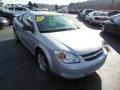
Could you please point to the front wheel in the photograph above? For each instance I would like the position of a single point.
(90, 21)
(42, 62)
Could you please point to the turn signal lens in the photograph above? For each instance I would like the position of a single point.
(67, 57)
(61, 55)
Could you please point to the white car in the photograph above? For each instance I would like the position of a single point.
(97, 17)
(85, 12)
(59, 45)
(15, 10)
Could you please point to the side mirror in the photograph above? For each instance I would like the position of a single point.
(111, 20)
(27, 28)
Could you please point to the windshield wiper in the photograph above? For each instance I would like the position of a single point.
(57, 30)
(68, 29)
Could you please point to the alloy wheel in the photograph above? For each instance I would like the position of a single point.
(42, 62)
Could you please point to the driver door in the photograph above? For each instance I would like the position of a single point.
(28, 35)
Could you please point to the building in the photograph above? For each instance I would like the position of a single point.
(97, 4)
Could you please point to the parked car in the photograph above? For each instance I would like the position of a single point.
(112, 25)
(73, 11)
(7, 15)
(85, 12)
(15, 10)
(63, 10)
(3, 22)
(113, 12)
(97, 17)
(59, 45)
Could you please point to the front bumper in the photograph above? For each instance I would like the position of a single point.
(78, 70)
(98, 21)
(2, 24)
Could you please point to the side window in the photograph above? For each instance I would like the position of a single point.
(18, 9)
(27, 20)
(24, 9)
(11, 8)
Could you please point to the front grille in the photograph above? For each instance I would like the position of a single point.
(92, 56)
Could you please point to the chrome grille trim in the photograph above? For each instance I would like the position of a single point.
(93, 55)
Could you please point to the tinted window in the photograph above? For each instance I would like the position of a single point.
(54, 23)
(88, 11)
(11, 8)
(20, 9)
(27, 20)
(100, 14)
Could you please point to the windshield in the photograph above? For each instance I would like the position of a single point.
(54, 23)
(100, 14)
(88, 11)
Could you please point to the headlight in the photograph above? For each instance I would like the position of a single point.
(67, 57)
(105, 45)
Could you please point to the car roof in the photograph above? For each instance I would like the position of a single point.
(88, 9)
(99, 12)
(43, 13)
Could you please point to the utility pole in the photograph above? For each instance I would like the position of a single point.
(112, 4)
(0, 3)
(80, 5)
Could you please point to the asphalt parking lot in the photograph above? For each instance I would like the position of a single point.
(19, 70)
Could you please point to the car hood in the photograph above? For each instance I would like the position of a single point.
(77, 41)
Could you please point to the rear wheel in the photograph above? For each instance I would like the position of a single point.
(16, 37)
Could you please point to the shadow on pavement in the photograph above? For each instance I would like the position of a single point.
(113, 41)
(19, 71)
(92, 82)
(93, 26)
(77, 18)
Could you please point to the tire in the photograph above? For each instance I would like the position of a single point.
(103, 28)
(16, 37)
(90, 22)
(42, 61)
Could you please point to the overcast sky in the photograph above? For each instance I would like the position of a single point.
(59, 2)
